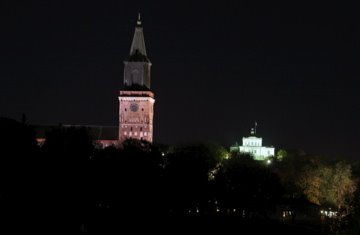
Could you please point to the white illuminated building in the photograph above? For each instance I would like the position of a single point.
(253, 145)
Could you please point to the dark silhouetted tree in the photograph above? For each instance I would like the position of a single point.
(187, 175)
(66, 183)
(244, 183)
(128, 180)
(18, 169)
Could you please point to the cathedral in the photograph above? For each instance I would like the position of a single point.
(136, 100)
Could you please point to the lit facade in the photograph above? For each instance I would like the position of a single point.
(253, 146)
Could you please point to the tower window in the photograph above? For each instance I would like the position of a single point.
(142, 109)
(130, 128)
(140, 128)
(125, 109)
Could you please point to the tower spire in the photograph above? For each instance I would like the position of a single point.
(138, 49)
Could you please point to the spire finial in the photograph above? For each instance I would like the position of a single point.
(138, 43)
(139, 19)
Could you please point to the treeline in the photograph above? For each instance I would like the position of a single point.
(68, 181)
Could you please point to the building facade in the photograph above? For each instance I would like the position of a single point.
(253, 146)
(136, 100)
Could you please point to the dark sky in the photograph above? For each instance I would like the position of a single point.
(217, 68)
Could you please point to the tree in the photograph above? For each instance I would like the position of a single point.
(289, 168)
(19, 164)
(65, 185)
(128, 180)
(187, 171)
(281, 154)
(72, 144)
(329, 185)
(341, 191)
(248, 184)
(310, 181)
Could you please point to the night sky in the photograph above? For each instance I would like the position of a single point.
(217, 68)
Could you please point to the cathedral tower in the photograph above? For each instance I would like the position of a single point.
(136, 100)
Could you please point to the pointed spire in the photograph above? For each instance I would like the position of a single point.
(138, 49)
(138, 22)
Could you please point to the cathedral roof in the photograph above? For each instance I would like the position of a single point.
(138, 49)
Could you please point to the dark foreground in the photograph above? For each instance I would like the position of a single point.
(201, 225)
(106, 225)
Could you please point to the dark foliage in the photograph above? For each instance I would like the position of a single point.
(19, 158)
(246, 184)
(187, 177)
(69, 185)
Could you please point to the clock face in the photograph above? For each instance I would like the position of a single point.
(134, 107)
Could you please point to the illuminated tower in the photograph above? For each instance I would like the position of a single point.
(136, 100)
